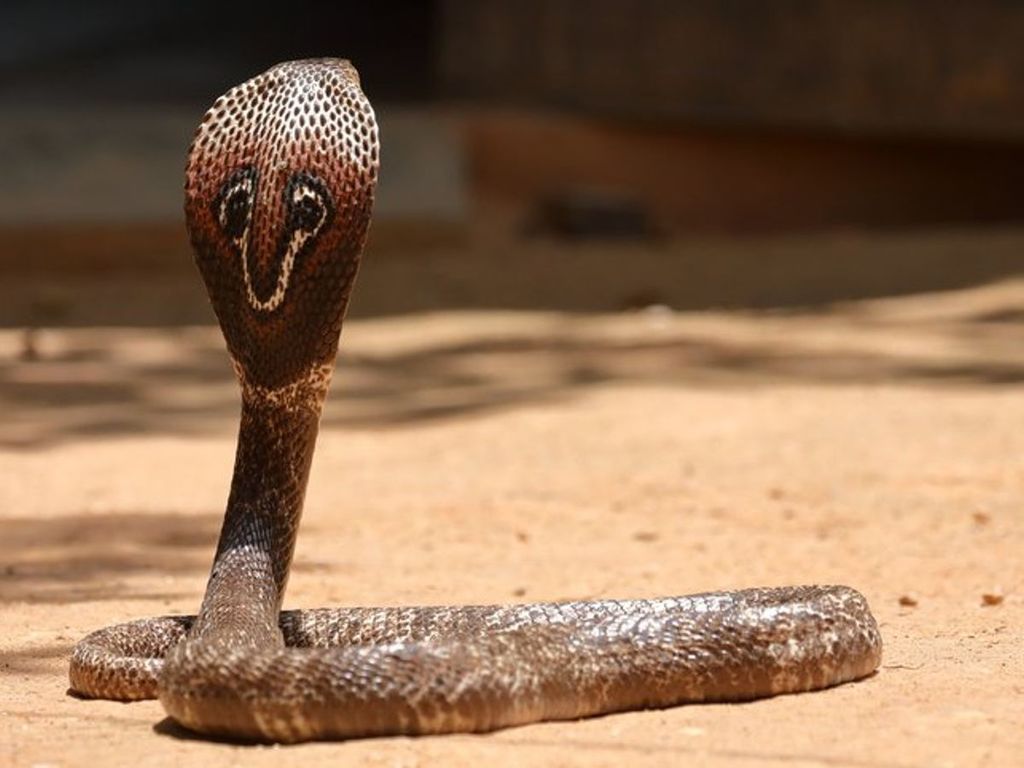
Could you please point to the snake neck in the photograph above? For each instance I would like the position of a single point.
(276, 439)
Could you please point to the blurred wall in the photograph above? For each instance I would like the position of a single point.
(909, 67)
(186, 52)
(710, 115)
(902, 66)
(513, 132)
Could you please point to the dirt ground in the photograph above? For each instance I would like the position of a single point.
(480, 456)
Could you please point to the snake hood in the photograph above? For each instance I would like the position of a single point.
(278, 197)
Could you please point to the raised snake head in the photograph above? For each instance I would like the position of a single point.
(278, 195)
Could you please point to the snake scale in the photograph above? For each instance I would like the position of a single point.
(278, 196)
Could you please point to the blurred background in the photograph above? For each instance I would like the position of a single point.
(546, 155)
(558, 154)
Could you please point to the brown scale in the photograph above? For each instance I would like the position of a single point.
(278, 195)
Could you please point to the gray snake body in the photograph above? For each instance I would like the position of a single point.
(279, 191)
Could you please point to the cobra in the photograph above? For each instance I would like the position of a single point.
(278, 196)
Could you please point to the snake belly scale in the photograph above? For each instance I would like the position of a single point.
(278, 196)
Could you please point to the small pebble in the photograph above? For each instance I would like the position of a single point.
(908, 601)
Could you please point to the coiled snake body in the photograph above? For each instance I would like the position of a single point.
(278, 195)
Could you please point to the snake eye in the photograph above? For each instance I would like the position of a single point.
(234, 213)
(308, 206)
(233, 206)
(308, 212)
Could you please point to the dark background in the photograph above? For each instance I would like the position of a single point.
(911, 67)
(187, 51)
(533, 151)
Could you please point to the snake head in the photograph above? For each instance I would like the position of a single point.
(278, 196)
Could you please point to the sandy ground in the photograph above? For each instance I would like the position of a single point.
(485, 456)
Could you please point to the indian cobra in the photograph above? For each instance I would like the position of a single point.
(278, 196)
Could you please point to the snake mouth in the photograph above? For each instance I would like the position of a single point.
(308, 210)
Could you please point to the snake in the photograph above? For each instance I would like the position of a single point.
(279, 191)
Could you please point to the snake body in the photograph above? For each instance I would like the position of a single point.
(278, 196)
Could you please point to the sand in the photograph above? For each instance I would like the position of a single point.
(506, 456)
